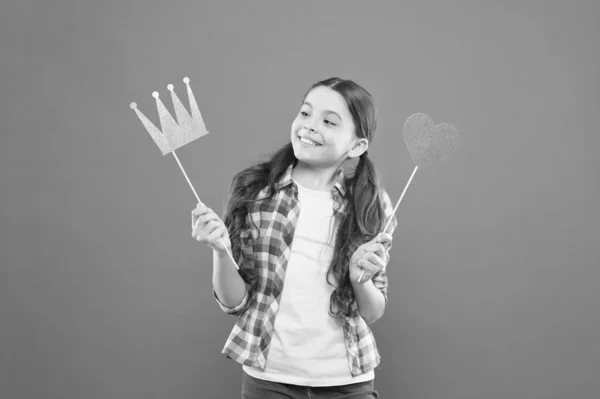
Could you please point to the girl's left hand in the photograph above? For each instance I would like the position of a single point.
(370, 257)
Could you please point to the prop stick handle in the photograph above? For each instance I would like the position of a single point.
(395, 208)
(198, 198)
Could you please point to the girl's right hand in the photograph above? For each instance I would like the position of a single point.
(208, 228)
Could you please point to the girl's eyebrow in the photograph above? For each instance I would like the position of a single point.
(327, 110)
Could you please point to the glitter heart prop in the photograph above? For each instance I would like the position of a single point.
(427, 144)
(176, 134)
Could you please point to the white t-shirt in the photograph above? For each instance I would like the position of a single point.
(307, 347)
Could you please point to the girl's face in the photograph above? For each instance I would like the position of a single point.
(325, 120)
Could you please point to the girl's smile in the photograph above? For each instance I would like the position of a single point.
(308, 142)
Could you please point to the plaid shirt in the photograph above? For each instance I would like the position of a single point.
(248, 342)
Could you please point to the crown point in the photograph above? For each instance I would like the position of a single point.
(186, 80)
(155, 94)
(133, 105)
(170, 87)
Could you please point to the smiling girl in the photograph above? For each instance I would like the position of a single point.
(302, 233)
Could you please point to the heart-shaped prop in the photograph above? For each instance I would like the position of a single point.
(427, 144)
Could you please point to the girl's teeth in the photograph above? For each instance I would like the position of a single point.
(308, 142)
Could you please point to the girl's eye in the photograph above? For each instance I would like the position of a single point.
(303, 113)
(329, 122)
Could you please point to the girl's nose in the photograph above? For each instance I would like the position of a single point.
(309, 128)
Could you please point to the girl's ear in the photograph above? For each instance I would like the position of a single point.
(360, 146)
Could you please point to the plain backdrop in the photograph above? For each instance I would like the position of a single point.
(495, 266)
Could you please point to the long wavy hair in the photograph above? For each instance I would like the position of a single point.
(364, 214)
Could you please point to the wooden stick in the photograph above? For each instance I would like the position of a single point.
(392, 215)
(198, 198)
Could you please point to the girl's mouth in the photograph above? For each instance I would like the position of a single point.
(307, 142)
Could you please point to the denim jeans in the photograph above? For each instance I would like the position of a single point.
(254, 388)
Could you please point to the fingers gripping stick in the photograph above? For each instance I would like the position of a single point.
(200, 202)
(393, 212)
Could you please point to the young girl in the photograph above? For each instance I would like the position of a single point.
(302, 233)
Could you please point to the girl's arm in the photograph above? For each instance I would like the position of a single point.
(371, 296)
(370, 301)
(229, 286)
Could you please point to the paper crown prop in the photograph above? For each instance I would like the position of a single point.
(176, 134)
(427, 144)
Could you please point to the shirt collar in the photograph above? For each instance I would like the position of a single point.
(286, 179)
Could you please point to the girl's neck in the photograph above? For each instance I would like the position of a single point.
(318, 179)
